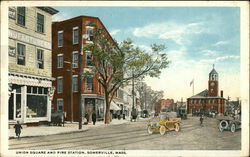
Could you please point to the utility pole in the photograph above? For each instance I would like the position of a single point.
(133, 91)
(80, 90)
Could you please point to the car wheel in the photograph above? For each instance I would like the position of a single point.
(223, 124)
(162, 130)
(150, 131)
(177, 127)
(233, 127)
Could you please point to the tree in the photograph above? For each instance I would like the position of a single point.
(114, 65)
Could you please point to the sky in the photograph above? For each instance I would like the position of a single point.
(195, 37)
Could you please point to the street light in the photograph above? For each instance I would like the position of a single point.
(71, 90)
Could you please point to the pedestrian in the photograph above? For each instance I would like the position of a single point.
(18, 128)
(94, 117)
(201, 120)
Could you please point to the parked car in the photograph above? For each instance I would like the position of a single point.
(162, 124)
(229, 123)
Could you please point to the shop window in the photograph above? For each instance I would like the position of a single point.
(40, 59)
(34, 90)
(89, 84)
(60, 105)
(59, 85)
(88, 59)
(75, 35)
(36, 105)
(21, 16)
(18, 105)
(60, 39)
(59, 61)
(89, 32)
(75, 59)
(20, 54)
(40, 23)
(75, 83)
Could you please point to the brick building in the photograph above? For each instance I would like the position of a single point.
(30, 74)
(68, 38)
(208, 100)
(165, 104)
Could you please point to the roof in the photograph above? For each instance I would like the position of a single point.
(213, 72)
(49, 10)
(204, 94)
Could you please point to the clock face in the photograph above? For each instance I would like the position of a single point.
(212, 84)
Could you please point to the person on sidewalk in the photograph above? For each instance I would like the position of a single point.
(94, 117)
(18, 128)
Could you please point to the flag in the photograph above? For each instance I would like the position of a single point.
(191, 82)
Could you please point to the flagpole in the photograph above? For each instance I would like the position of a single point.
(193, 87)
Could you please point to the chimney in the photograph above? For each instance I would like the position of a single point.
(221, 93)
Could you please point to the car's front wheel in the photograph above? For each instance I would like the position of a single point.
(177, 127)
(162, 130)
(233, 127)
(150, 131)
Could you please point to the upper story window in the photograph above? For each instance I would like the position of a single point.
(75, 59)
(20, 54)
(59, 104)
(40, 23)
(21, 16)
(60, 39)
(75, 83)
(75, 35)
(89, 32)
(88, 59)
(40, 59)
(59, 60)
(59, 85)
(89, 84)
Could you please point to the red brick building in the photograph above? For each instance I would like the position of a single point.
(68, 38)
(167, 104)
(208, 100)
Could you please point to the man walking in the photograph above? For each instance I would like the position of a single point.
(18, 128)
(94, 117)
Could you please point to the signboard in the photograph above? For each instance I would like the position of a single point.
(12, 13)
(12, 51)
(29, 39)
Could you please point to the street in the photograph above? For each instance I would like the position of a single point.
(133, 135)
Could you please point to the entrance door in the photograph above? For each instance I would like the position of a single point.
(11, 107)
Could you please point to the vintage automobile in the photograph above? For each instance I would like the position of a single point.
(228, 123)
(162, 124)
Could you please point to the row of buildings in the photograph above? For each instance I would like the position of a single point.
(44, 67)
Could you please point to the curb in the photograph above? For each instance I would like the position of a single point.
(70, 132)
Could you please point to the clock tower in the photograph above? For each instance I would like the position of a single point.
(213, 84)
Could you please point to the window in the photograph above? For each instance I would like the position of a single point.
(59, 104)
(75, 35)
(20, 54)
(21, 16)
(59, 61)
(88, 59)
(89, 32)
(89, 84)
(59, 85)
(40, 59)
(75, 59)
(75, 83)
(99, 87)
(37, 101)
(60, 38)
(40, 23)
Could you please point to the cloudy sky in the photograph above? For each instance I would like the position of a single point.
(196, 38)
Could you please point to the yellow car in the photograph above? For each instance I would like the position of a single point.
(163, 124)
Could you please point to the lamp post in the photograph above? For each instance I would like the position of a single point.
(71, 90)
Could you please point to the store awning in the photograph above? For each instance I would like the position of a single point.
(114, 106)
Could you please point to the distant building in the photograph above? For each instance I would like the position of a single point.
(208, 100)
(68, 38)
(165, 104)
(30, 74)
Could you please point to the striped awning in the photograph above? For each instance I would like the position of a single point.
(22, 79)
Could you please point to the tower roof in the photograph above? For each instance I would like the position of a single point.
(213, 71)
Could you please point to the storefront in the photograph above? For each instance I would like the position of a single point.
(29, 98)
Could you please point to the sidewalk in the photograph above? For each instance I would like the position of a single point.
(69, 127)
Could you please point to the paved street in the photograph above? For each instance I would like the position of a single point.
(133, 135)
